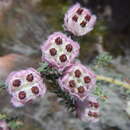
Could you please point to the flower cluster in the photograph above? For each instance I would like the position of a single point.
(3, 125)
(78, 20)
(59, 51)
(88, 110)
(78, 80)
(25, 86)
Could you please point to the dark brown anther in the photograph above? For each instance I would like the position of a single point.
(81, 89)
(83, 24)
(53, 51)
(87, 79)
(72, 90)
(16, 83)
(30, 77)
(75, 18)
(77, 73)
(90, 103)
(94, 114)
(58, 41)
(35, 90)
(69, 47)
(87, 17)
(22, 95)
(79, 11)
(90, 114)
(63, 58)
(72, 84)
(96, 105)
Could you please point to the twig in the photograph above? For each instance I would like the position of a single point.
(113, 81)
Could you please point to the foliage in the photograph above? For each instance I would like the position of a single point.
(103, 59)
(12, 121)
(2, 85)
(51, 75)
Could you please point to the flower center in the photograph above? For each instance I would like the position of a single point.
(30, 77)
(69, 47)
(90, 114)
(81, 89)
(63, 58)
(72, 83)
(58, 41)
(22, 95)
(75, 18)
(87, 79)
(35, 90)
(90, 104)
(16, 83)
(79, 11)
(96, 105)
(53, 51)
(83, 24)
(95, 114)
(77, 73)
(87, 17)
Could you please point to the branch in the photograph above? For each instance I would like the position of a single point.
(51, 75)
(113, 81)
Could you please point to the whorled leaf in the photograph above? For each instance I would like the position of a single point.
(103, 59)
(52, 75)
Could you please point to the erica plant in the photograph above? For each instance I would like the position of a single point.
(62, 73)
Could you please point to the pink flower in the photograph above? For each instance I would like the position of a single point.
(59, 51)
(25, 86)
(78, 80)
(3, 125)
(78, 20)
(88, 110)
(5, 5)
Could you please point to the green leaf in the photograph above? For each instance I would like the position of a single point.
(2, 85)
(103, 59)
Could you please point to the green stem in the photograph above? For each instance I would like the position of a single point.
(113, 81)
